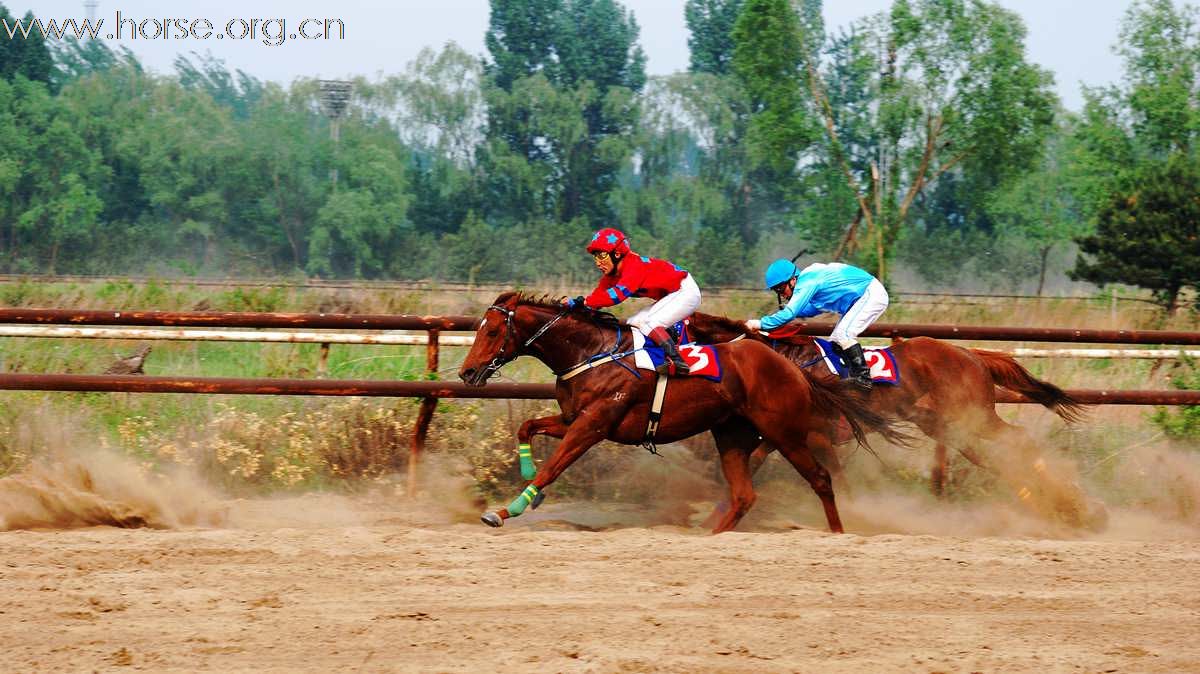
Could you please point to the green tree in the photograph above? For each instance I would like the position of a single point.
(951, 90)
(767, 59)
(1037, 210)
(362, 225)
(1134, 139)
(281, 175)
(776, 127)
(1148, 233)
(710, 34)
(25, 55)
(48, 209)
(237, 90)
(556, 66)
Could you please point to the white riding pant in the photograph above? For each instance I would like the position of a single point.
(860, 314)
(669, 310)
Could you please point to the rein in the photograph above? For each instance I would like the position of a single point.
(611, 356)
(510, 333)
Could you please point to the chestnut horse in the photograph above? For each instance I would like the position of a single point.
(760, 395)
(949, 393)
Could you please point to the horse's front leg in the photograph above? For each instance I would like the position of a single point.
(553, 426)
(580, 436)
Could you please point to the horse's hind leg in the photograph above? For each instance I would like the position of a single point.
(757, 458)
(735, 441)
(818, 478)
(937, 474)
(822, 448)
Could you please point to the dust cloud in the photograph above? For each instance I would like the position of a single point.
(93, 488)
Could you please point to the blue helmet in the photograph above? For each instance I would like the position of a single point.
(780, 271)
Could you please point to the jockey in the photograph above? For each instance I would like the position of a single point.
(627, 274)
(835, 287)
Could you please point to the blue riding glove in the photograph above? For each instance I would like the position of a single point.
(575, 302)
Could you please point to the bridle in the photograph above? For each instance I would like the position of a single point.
(510, 334)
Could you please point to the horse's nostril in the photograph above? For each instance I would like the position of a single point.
(467, 373)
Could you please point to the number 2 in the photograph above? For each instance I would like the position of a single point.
(879, 365)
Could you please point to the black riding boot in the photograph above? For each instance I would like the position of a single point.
(674, 363)
(860, 374)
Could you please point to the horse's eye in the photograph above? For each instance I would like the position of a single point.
(492, 333)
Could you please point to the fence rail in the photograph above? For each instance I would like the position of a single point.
(469, 323)
(435, 389)
(1129, 294)
(290, 327)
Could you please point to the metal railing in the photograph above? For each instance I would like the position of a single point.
(184, 326)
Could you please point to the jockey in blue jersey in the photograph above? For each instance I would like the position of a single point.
(828, 288)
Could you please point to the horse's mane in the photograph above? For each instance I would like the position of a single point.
(723, 322)
(554, 303)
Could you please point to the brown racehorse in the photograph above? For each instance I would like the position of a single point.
(760, 394)
(949, 392)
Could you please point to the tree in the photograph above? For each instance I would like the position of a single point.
(237, 90)
(950, 90)
(24, 54)
(1148, 234)
(520, 39)
(48, 209)
(1135, 140)
(553, 67)
(710, 34)
(767, 60)
(1037, 209)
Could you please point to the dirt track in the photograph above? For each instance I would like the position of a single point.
(324, 584)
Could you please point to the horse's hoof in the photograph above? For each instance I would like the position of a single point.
(537, 500)
(492, 520)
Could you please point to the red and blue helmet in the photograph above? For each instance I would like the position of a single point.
(609, 240)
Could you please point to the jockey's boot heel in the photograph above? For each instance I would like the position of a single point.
(860, 374)
(674, 362)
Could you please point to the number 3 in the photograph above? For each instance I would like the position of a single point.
(699, 359)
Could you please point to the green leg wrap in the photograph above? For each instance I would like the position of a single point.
(519, 504)
(528, 470)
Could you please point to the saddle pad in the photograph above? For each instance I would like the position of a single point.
(879, 358)
(702, 360)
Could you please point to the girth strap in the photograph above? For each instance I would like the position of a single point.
(584, 367)
(660, 394)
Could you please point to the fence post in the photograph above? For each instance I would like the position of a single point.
(424, 415)
(323, 360)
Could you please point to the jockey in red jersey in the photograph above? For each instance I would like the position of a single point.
(627, 274)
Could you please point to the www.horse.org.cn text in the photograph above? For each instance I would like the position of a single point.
(271, 32)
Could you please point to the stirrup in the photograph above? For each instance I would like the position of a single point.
(863, 381)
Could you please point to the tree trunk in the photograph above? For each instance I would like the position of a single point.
(1042, 274)
(1172, 300)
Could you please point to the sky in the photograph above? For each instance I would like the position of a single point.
(1071, 38)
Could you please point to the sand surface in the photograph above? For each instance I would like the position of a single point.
(329, 583)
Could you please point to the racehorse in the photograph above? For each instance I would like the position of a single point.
(759, 395)
(947, 391)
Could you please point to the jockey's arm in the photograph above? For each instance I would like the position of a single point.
(797, 307)
(612, 291)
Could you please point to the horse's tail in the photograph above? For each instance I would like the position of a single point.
(841, 397)
(1008, 373)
